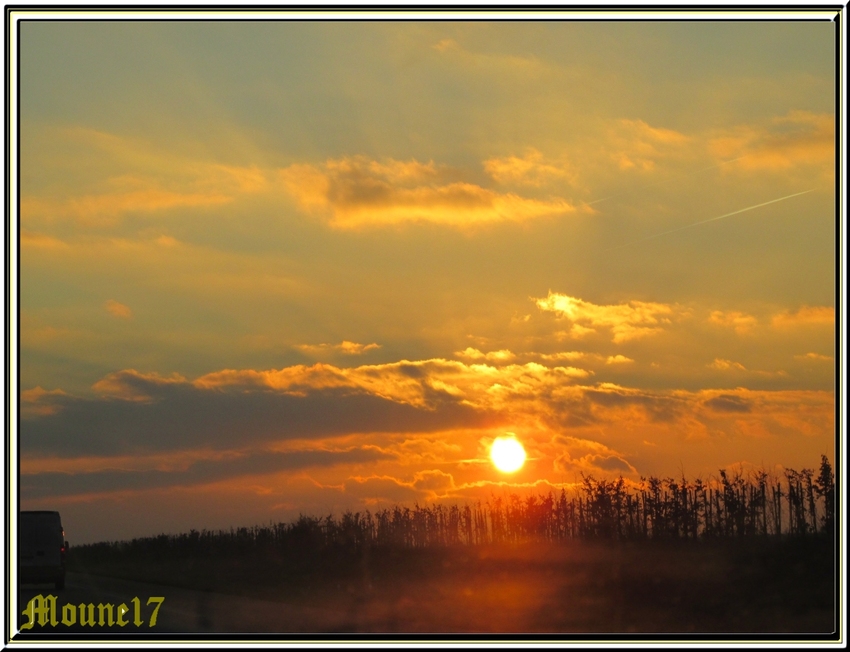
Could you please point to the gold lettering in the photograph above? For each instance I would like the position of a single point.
(90, 620)
(122, 609)
(52, 600)
(107, 608)
(69, 614)
(137, 621)
(159, 601)
(29, 612)
(41, 609)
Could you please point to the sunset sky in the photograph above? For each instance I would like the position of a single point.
(271, 268)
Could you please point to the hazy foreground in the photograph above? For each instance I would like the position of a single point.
(763, 586)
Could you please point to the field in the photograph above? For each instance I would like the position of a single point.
(691, 587)
(739, 555)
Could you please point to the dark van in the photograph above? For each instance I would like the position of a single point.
(42, 548)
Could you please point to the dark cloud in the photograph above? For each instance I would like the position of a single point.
(663, 409)
(582, 409)
(179, 415)
(387, 489)
(612, 463)
(572, 414)
(39, 485)
(412, 371)
(729, 403)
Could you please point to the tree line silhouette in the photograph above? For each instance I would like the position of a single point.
(793, 503)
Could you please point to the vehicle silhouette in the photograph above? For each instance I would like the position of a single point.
(42, 548)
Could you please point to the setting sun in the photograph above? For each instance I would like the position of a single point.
(507, 454)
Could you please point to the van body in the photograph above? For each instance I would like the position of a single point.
(42, 548)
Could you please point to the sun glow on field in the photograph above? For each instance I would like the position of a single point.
(507, 454)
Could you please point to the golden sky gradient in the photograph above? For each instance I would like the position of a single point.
(271, 268)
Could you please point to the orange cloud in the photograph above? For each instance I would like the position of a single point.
(627, 321)
(475, 354)
(815, 356)
(356, 192)
(805, 316)
(32, 239)
(564, 355)
(576, 332)
(308, 185)
(167, 241)
(118, 309)
(517, 389)
(416, 383)
(726, 365)
(530, 169)
(37, 401)
(798, 139)
(618, 359)
(391, 170)
(741, 322)
(434, 482)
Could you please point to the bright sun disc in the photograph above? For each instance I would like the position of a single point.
(507, 454)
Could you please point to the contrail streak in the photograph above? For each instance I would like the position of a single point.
(712, 219)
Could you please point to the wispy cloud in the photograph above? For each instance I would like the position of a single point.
(130, 175)
(345, 347)
(637, 145)
(41, 240)
(494, 64)
(720, 364)
(196, 472)
(100, 208)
